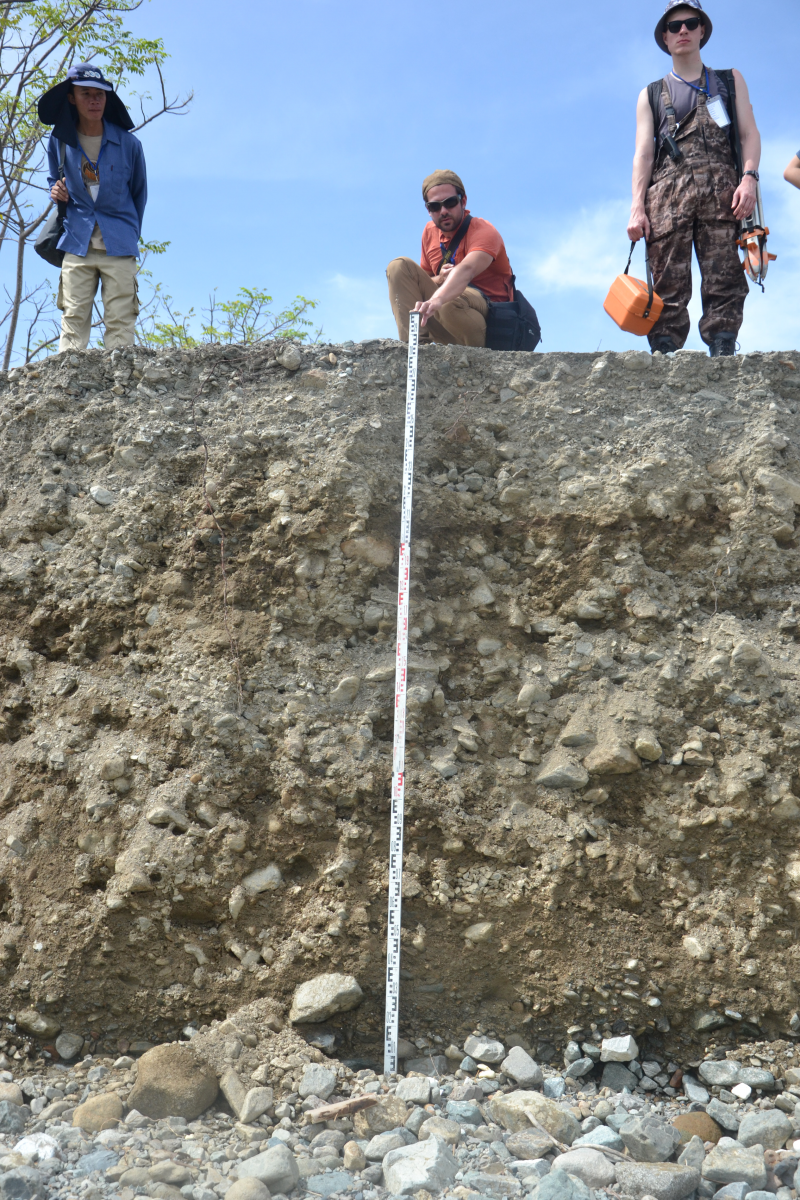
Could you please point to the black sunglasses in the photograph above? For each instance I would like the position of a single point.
(691, 24)
(435, 205)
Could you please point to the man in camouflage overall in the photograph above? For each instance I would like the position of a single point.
(685, 185)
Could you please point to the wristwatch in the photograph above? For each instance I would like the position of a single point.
(754, 174)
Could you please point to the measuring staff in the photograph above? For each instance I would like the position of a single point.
(400, 690)
(686, 187)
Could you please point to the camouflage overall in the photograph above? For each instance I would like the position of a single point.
(689, 203)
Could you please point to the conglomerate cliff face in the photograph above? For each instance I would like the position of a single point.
(602, 821)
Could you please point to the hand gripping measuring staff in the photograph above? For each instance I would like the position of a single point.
(400, 691)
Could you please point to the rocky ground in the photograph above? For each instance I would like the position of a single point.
(197, 589)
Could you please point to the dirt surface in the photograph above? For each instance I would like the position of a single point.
(604, 731)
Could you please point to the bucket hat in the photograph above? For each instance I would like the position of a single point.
(54, 107)
(662, 24)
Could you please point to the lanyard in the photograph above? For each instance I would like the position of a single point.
(704, 91)
(95, 166)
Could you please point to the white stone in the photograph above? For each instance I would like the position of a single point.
(276, 1167)
(317, 1081)
(591, 1166)
(619, 1049)
(742, 1091)
(484, 1049)
(255, 1104)
(101, 495)
(480, 932)
(266, 879)
(321, 997)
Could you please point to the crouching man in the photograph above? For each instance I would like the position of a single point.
(463, 262)
(105, 191)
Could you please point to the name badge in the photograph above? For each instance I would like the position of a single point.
(718, 112)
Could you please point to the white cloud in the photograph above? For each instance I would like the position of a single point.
(590, 249)
(355, 309)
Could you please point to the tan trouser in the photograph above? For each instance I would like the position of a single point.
(460, 322)
(76, 291)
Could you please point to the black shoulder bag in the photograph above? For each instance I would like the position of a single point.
(510, 324)
(46, 244)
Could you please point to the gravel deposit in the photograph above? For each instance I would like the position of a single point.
(197, 611)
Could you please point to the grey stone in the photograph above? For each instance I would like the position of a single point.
(323, 996)
(732, 1191)
(256, 1102)
(484, 1049)
(665, 1181)
(731, 1162)
(706, 1021)
(601, 1135)
(426, 1165)
(417, 1089)
(317, 1080)
(618, 1077)
(761, 1195)
(694, 1092)
(468, 1065)
(379, 1146)
(554, 1087)
(724, 1114)
(757, 1077)
(694, 1152)
(441, 1127)
(69, 1045)
(12, 1117)
(650, 1139)
(496, 1186)
(276, 1167)
(519, 1066)
(579, 1068)
(558, 1185)
(96, 1160)
(720, 1074)
(22, 1183)
(588, 1164)
(327, 1184)
(770, 1129)
(416, 1119)
(465, 1111)
(562, 771)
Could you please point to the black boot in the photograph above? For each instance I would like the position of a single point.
(722, 345)
(662, 344)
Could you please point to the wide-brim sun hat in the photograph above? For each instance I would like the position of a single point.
(54, 107)
(671, 6)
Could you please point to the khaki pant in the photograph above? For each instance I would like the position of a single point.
(76, 291)
(461, 322)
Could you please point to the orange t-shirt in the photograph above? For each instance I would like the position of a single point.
(495, 281)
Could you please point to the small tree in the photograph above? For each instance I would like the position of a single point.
(246, 320)
(39, 41)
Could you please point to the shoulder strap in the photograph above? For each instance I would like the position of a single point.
(456, 242)
(733, 129)
(62, 154)
(653, 94)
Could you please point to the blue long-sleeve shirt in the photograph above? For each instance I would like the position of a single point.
(121, 198)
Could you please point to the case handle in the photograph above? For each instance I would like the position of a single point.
(650, 292)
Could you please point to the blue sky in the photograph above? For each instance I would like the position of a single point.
(314, 122)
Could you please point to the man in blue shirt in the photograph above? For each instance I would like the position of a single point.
(105, 191)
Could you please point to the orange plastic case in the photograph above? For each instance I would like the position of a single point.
(626, 303)
(632, 303)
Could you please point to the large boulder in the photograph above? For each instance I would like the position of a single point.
(428, 1166)
(511, 1110)
(519, 1066)
(665, 1181)
(173, 1082)
(31, 1021)
(321, 997)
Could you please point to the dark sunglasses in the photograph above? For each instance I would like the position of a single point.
(435, 205)
(691, 24)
